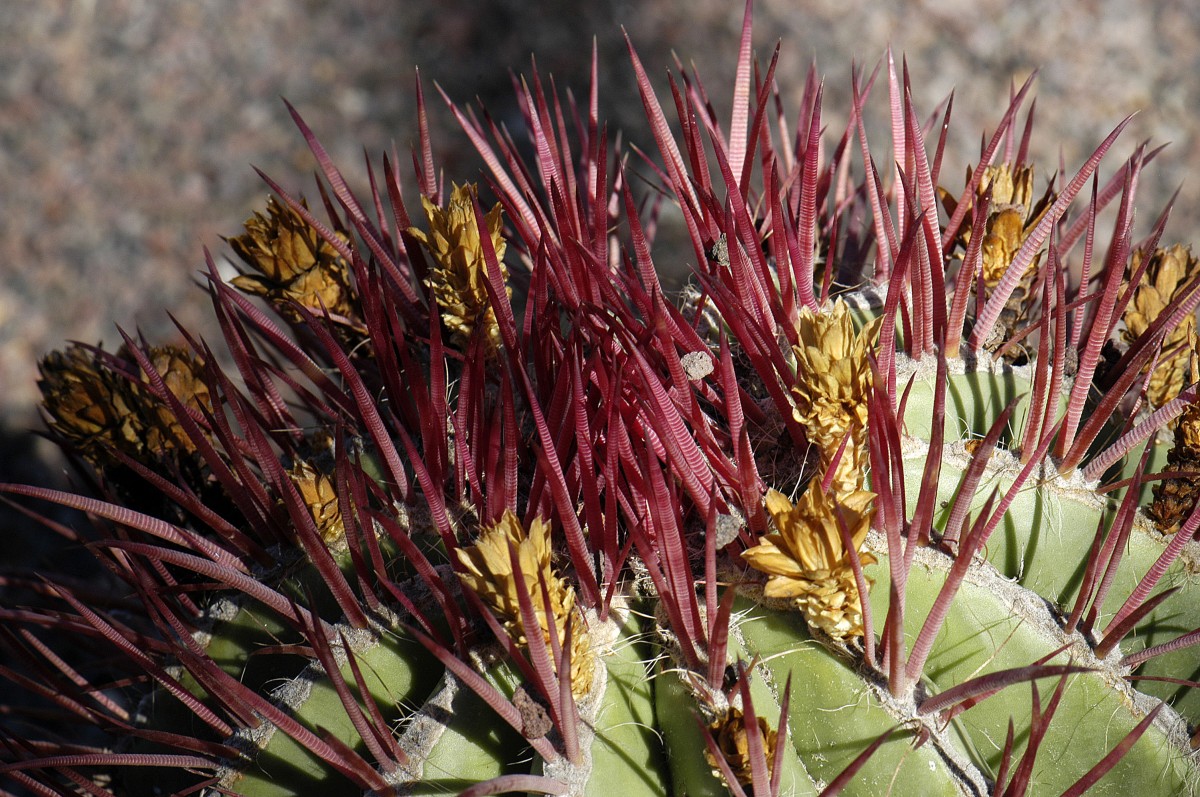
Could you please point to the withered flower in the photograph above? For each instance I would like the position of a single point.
(459, 274)
(319, 493)
(729, 732)
(181, 371)
(806, 561)
(86, 402)
(1012, 215)
(1167, 275)
(833, 381)
(1174, 498)
(293, 264)
(98, 409)
(488, 572)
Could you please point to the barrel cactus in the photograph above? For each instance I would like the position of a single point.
(897, 497)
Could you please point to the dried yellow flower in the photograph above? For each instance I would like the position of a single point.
(1009, 188)
(806, 561)
(729, 732)
(181, 372)
(97, 409)
(1004, 233)
(1168, 273)
(833, 382)
(320, 495)
(459, 275)
(1174, 498)
(488, 572)
(293, 264)
(86, 402)
(1012, 215)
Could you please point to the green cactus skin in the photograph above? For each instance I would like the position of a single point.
(995, 623)
(266, 656)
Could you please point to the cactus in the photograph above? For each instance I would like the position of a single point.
(886, 502)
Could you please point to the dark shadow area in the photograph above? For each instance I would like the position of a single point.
(27, 458)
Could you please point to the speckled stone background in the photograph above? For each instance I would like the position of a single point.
(128, 127)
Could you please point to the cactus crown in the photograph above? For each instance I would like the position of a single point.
(888, 500)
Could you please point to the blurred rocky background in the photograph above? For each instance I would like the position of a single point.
(128, 127)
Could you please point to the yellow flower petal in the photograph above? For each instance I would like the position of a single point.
(1167, 274)
(458, 278)
(806, 560)
(293, 264)
(489, 573)
(833, 383)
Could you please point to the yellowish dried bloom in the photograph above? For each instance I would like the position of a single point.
(86, 403)
(293, 264)
(833, 382)
(1188, 433)
(1012, 216)
(1005, 232)
(488, 572)
(320, 495)
(459, 275)
(181, 371)
(806, 561)
(99, 410)
(1167, 275)
(1175, 497)
(729, 731)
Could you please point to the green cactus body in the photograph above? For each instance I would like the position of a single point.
(998, 621)
(996, 626)
(1050, 522)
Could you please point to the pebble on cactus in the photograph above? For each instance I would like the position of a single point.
(898, 498)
